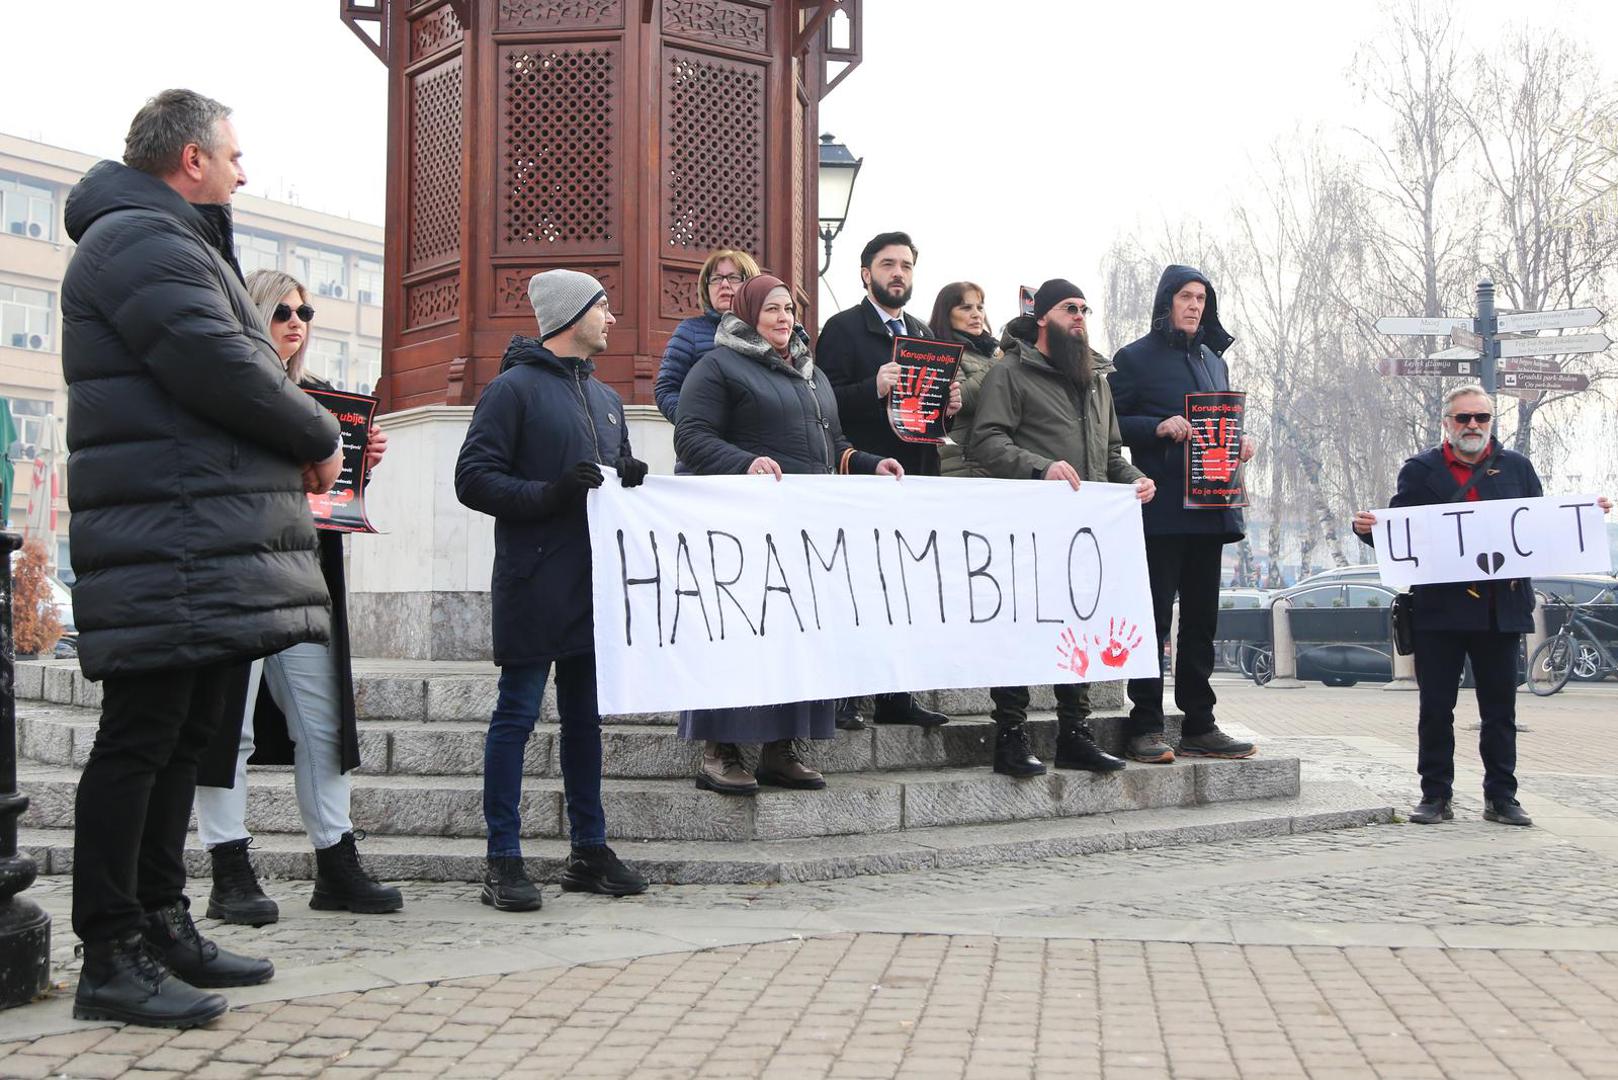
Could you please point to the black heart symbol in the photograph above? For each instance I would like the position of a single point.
(1498, 560)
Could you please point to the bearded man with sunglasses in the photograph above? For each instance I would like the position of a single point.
(1483, 621)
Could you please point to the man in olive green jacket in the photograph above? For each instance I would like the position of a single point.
(1045, 413)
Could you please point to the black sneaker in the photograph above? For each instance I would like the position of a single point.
(506, 886)
(1431, 812)
(173, 939)
(1506, 812)
(1012, 754)
(598, 870)
(236, 896)
(1215, 743)
(121, 980)
(1076, 749)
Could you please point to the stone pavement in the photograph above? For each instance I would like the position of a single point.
(1464, 950)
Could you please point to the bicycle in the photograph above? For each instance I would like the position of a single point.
(1574, 651)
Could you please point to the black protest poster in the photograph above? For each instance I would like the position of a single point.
(1213, 453)
(342, 509)
(916, 406)
(1025, 300)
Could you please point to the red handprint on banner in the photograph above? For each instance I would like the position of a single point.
(1122, 639)
(914, 385)
(1218, 463)
(1073, 656)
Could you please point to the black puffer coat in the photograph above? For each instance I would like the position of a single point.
(192, 541)
(540, 416)
(742, 401)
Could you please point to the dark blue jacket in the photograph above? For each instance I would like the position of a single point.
(1424, 480)
(540, 416)
(690, 342)
(1149, 383)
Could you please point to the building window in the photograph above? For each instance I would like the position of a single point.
(366, 369)
(26, 209)
(30, 417)
(25, 318)
(323, 272)
(327, 359)
(256, 252)
(368, 281)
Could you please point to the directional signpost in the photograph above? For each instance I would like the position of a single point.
(1530, 363)
(1428, 365)
(1566, 345)
(1568, 319)
(1544, 380)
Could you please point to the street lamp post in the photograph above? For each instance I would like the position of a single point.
(838, 169)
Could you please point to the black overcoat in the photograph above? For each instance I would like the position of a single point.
(852, 345)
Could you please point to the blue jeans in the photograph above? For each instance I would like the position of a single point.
(522, 688)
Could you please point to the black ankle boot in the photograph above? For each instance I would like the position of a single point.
(236, 896)
(1076, 749)
(174, 940)
(341, 884)
(1012, 754)
(122, 981)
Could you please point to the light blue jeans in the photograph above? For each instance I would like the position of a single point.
(304, 685)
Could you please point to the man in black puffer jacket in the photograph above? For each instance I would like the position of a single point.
(192, 541)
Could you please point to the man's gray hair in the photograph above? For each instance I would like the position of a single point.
(166, 125)
(1464, 390)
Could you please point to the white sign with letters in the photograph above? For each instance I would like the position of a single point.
(1495, 539)
(726, 591)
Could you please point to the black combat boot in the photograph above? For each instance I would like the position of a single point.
(121, 980)
(173, 939)
(341, 883)
(1012, 754)
(236, 896)
(1076, 749)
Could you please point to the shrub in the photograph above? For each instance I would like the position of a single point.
(34, 625)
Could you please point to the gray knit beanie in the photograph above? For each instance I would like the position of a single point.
(560, 299)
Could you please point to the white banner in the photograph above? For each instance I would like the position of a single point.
(724, 591)
(1491, 539)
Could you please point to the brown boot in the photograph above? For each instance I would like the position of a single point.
(722, 770)
(780, 766)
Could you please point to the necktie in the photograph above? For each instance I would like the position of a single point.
(896, 327)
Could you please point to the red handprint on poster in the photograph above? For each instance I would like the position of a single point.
(917, 401)
(1074, 658)
(1218, 463)
(914, 386)
(1213, 474)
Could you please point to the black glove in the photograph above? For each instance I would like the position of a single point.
(631, 471)
(569, 488)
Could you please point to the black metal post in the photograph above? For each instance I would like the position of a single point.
(1487, 325)
(25, 929)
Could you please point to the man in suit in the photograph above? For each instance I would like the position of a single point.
(856, 353)
(1182, 353)
(1483, 620)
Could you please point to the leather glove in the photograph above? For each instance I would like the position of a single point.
(631, 471)
(569, 488)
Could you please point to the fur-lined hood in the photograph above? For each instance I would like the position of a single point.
(746, 340)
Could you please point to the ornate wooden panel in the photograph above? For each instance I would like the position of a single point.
(560, 161)
(434, 31)
(511, 286)
(713, 152)
(432, 302)
(560, 15)
(679, 295)
(434, 222)
(726, 22)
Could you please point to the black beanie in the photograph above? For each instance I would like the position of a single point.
(1053, 292)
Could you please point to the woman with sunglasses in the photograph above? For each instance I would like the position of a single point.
(298, 708)
(720, 279)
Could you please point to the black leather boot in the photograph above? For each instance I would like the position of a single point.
(1012, 754)
(341, 883)
(174, 940)
(122, 981)
(506, 886)
(1076, 749)
(236, 896)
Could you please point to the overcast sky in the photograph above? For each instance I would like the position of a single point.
(1014, 139)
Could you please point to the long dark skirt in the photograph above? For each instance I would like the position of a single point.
(762, 723)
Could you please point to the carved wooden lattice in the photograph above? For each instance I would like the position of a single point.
(558, 152)
(432, 302)
(725, 21)
(435, 166)
(434, 31)
(679, 293)
(511, 287)
(713, 150)
(560, 14)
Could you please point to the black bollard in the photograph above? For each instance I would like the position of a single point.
(25, 929)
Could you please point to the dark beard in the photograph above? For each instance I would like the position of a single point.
(1071, 356)
(891, 300)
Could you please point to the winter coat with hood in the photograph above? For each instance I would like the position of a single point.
(1031, 415)
(743, 401)
(542, 415)
(853, 344)
(192, 540)
(1151, 377)
(954, 457)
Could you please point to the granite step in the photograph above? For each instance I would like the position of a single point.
(1325, 805)
(54, 734)
(853, 803)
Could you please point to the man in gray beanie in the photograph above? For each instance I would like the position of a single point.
(538, 438)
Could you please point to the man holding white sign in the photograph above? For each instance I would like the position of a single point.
(1472, 598)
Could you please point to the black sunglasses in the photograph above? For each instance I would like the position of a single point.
(1464, 418)
(283, 312)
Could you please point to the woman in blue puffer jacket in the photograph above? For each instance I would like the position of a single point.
(722, 275)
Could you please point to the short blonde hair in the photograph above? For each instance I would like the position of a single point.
(744, 263)
(266, 287)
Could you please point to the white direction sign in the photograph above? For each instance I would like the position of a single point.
(1555, 346)
(1456, 352)
(1566, 319)
(1443, 324)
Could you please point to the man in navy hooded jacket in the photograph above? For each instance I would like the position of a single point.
(1182, 353)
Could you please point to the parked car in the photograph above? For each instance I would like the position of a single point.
(1341, 627)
